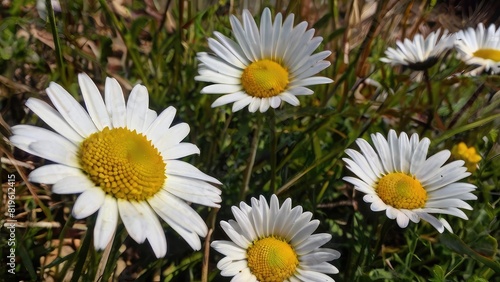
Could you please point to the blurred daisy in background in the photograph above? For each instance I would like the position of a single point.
(420, 53)
(468, 154)
(480, 47)
(273, 243)
(122, 159)
(400, 179)
(265, 65)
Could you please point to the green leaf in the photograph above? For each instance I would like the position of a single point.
(438, 274)
(454, 243)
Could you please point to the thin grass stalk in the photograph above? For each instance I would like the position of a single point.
(57, 42)
(104, 260)
(467, 105)
(127, 40)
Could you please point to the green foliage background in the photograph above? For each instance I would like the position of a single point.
(293, 152)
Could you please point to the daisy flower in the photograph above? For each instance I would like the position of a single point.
(480, 47)
(122, 160)
(399, 179)
(265, 65)
(420, 53)
(274, 244)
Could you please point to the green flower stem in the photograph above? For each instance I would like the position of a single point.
(250, 161)
(212, 218)
(382, 231)
(431, 111)
(272, 126)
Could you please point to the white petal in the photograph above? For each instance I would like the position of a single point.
(52, 173)
(237, 238)
(264, 105)
(88, 202)
(171, 208)
(218, 65)
(155, 132)
(402, 219)
(371, 155)
(266, 34)
(193, 190)
(229, 249)
(73, 184)
(289, 98)
(154, 231)
(362, 165)
(275, 102)
(209, 75)
(221, 88)
(432, 220)
(300, 91)
(54, 119)
(70, 110)
(180, 150)
(322, 267)
(234, 268)
(394, 149)
(313, 242)
(312, 276)
(315, 80)
(225, 53)
(254, 105)
(130, 213)
(305, 232)
(150, 118)
(419, 155)
(229, 98)
(172, 136)
(115, 103)
(56, 152)
(180, 168)
(93, 101)
(106, 222)
(233, 47)
(244, 222)
(137, 107)
(238, 105)
(384, 151)
(46, 144)
(430, 166)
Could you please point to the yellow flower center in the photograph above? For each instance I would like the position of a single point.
(123, 163)
(401, 191)
(264, 79)
(272, 259)
(469, 155)
(489, 54)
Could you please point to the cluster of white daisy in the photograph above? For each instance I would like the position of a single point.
(123, 158)
(479, 47)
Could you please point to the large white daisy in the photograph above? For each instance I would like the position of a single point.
(122, 158)
(480, 46)
(272, 243)
(420, 53)
(400, 179)
(265, 66)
